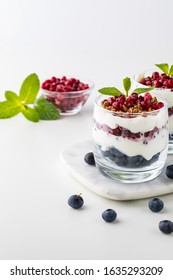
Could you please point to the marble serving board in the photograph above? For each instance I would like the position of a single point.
(90, 177)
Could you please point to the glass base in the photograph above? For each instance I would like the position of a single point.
(129, 176)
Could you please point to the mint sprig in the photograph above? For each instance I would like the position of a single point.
(112, 91)
(168, 70)
(40, 108)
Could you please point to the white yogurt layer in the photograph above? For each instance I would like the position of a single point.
(130, 147)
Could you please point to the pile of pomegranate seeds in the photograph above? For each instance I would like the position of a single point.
(66, 94)
(132, 104)
(158, 80)
(64, 84)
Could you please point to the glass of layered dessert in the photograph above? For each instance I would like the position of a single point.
(130, 134)
(162, 80)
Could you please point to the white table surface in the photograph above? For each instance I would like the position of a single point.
(35, 219)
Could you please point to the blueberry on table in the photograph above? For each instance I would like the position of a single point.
(166, 226)
(109, 215)
(89, 158)
(76, 201)
(155, 204)
(169, 171)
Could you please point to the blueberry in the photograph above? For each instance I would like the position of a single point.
(115, 152)
(76, 201)
(135, 161)
(89, 158)
(109, 215)
(155, 204)
(105, 153)
(169, 171)
(166, 226)
(121, 161)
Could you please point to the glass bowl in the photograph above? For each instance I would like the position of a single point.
(165, 93)
(130, 147)
(68, 102)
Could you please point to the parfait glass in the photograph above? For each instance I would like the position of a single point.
(130, 147)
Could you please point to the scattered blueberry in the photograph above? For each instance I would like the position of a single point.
(169, 171)
(76, 201)
(166, 226)
(155, 204)
(109, 215)
(89, 158)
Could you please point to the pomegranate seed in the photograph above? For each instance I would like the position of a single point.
(155, 75)
(53, 79)
(160, 105)
(156, 83)
(170, 82)
(148, 83)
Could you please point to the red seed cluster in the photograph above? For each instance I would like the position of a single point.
(158, 80)
(64, 84)
(132, 104)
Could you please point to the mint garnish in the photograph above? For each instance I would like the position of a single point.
(165, 68)
(110, 91)
(30, 114)
(41, 109)
(46, 110)
(29, 89)
(8, 109)
(127, 85)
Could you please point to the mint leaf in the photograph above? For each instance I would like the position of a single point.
(29, 89)
(142, 90)
(46, 110)
(8, 109)
(171, 71)
(12, 97)
(30, 113)
(110, 91)
(127, 84)
(164, 67)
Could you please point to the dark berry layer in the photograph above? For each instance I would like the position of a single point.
(132, 104)
(158, 80)
(120, 131)
(123, 160)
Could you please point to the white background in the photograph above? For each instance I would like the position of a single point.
(103, 40)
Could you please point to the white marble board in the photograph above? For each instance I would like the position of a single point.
(90, 177)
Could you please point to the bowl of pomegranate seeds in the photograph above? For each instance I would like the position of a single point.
(68, 95)
(130, 134)
(163, 83)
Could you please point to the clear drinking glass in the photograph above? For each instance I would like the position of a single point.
(130, 147)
